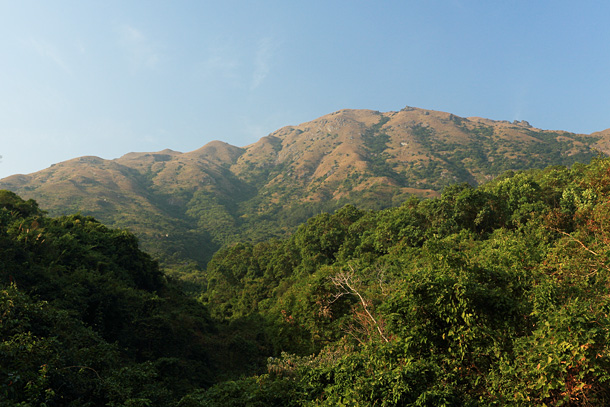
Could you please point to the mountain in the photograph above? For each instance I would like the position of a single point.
(184, 206)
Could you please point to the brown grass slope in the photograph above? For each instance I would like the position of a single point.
(215, 193)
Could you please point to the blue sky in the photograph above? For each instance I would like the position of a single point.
(109, 77)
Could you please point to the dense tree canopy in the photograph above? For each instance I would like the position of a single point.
(86, 318)
(495, 295)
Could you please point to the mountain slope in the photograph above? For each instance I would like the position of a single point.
(186, 205)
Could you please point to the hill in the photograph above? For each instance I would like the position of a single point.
(184, 206)
(488, 296)
(494, 295)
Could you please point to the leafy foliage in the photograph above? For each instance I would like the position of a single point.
(489, 295)
(86, 318)
(496, 295)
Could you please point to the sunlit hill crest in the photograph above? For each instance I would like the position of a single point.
(181, 203)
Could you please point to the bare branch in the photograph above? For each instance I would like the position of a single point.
(575, 240)
(82, 367)
(346, 282)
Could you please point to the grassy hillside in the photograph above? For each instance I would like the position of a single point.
(185, 206)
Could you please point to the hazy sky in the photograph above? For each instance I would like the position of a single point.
(109, 77)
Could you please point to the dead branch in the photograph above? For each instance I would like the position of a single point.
(346, 282)
(575, 240)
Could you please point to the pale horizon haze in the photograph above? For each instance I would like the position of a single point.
(108, 78)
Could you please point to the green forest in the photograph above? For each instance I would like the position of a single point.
(487, 296)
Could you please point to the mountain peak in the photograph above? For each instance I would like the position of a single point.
(146, 155)
(218, 152)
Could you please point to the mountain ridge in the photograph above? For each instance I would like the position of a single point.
(180, 203)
